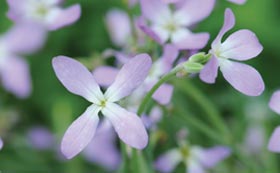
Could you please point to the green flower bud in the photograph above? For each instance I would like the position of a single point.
(200, 58)
(192, 67)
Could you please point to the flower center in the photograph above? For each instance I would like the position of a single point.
(171, 26)
(185, 151)
(103, 103)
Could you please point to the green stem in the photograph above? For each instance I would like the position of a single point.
(149, 95)
(207, 106)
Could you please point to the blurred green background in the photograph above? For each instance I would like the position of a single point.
(52, 106)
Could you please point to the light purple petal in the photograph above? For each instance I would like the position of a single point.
(155, 10)
(80, 132)
(131, 75)
(243, 78)
(194, 167)
(240, 2)
(163, 94)
(229, 22)
(167, 162)
(25, 38)
(128, 125)
(274, 102)
(105, 75)
(40, 138)
(255, 139)
(15, 9)
(65, 17)
(170, 53)
(274, 142)
(210, 71)
(241, 45)
(15, 76)
(212, 156)
(194, 11)
(1, 143)
(190, 40)
(76, 78)
(141, 23)
(118, 19)
(102, 149)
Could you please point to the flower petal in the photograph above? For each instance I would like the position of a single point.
(16, 76)
(80, 132)
(229, 22)
(184, 39)
(118, 19)
(150, 32)
(76, 78)
(25, 38)
(212, 156)
(105, 75)
(1, 143)
(240, 2)
(210, 71)
(274, 142)
(163, 94)
(194, 167)
(155, 10)
(128, 125)
(167, 162)
(170, 53)
(274, 102)
(194, 11)
(241, 45)
(242, 77)
(102, 149)
(65, 17)
(131, 75)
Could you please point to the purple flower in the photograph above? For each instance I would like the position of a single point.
(166, 24)
(23, 38)
(45, 12)
(78, 80)
(40, 138)
(1, 143)
(240, 2)
(195, 158)
(102, 149)
(241, 45)
(274, 104)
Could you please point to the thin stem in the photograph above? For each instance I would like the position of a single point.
(208, 107)
(149, 95)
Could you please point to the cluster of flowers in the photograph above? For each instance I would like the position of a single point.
(169, 23)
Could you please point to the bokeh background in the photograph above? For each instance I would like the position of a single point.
(51, 106)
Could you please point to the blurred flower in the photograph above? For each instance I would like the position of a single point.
(153, 118)
(274, 104)
(1, 143)
(23, 38)
(241, 45)
(240, 2)
(45, 12)
(102, 149)
(40, 138)
(175, 25)
(78, 80)
(196, 159)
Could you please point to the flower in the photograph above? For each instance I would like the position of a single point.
(274, 104)
(45, 12)
(175, 25)
(241, 45)
(195, 158)
(40, 138)
(23, 38)
(78, 80)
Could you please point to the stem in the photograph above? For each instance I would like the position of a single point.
(209, 108)
(149, 95)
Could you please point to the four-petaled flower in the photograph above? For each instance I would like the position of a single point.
(241, 45)
(175, 25)
(45, 12)
(78, 80)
